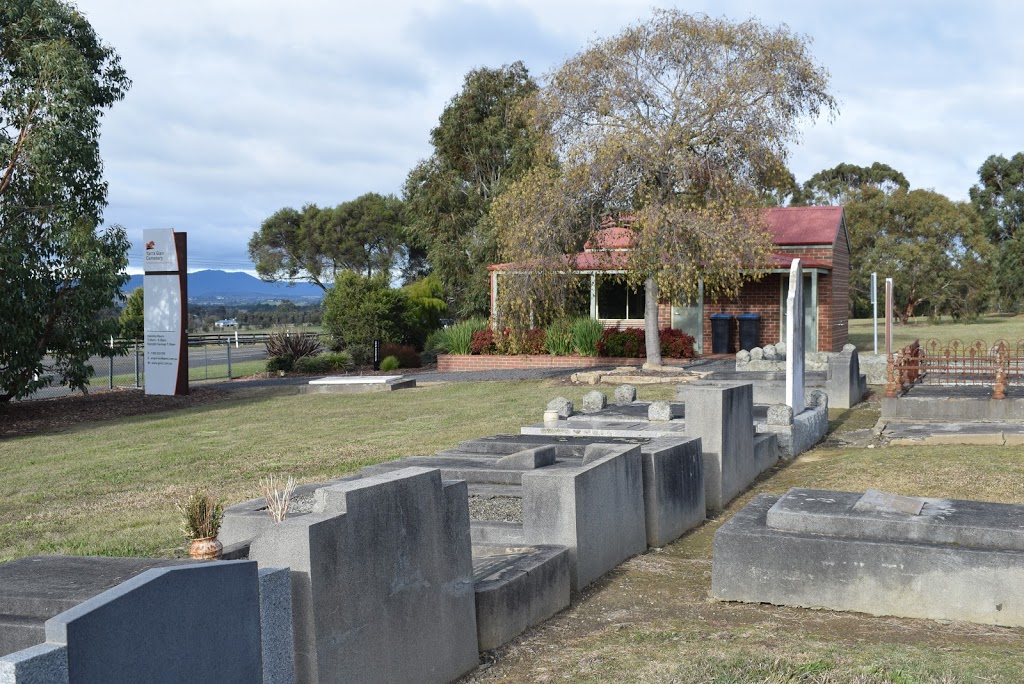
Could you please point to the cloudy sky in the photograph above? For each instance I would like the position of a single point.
(241, 107)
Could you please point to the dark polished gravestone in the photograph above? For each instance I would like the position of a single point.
(876, 553)
(36, 588)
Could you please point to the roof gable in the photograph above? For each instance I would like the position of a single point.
(793, 226)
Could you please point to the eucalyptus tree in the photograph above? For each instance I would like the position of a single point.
(58, 268)
(681, 122)
(481, 143)
(315, 244)
(999, 197)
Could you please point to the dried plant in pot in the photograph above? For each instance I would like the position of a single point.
(201, 516)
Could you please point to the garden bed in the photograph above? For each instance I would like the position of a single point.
(475, 362)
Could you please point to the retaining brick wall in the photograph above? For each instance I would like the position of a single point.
(455, 362)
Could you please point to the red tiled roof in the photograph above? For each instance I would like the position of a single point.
(789, 227)
(792, 226)
(614, 237)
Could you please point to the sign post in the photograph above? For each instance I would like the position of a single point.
(874, 306)
(888, 318)
(166, 311)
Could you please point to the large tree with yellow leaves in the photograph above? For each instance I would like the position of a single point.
(683, 122)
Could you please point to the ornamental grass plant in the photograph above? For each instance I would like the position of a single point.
(586, 333)
(201, 515)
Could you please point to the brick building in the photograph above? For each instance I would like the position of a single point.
(816, 235)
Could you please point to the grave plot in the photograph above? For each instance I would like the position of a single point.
(357, 384)
(545, 517)
(720, 414)
(837, 374)
(876, 553)
(544, 495)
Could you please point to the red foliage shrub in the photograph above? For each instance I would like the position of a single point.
(675, 344)
(631, 343)
(483, 342)
(628, 343)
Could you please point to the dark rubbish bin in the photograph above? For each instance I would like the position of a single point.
(721, 333)
(750, 330)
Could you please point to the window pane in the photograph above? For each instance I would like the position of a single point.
(611, 298)
(635, 303)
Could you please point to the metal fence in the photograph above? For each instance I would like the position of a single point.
(956, 364)
(210, 357)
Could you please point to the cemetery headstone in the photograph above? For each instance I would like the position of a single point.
(795, 339)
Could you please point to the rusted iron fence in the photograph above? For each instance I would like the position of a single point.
(955, 364)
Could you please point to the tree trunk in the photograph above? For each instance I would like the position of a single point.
(651, 337)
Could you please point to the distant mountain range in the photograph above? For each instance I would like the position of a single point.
(222, 287)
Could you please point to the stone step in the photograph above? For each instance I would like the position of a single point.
(517, 588)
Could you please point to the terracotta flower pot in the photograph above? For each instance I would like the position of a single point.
(207, 548)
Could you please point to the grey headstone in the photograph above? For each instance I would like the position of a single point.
(756, 354)
(594, 401)
(625, 394)
(769, 353)
(383, 591)
(743, 356)
(795, 339)
(276, 626)
(528, 459)
(673, 471)
(849, 348)
(659, 410)
(41, 664)
(597, 511)
(560, 406)
(780, 414)
(721, 414)
(197, 622)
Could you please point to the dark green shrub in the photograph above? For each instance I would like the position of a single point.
(437, 342)
(280, 363)
(389, 363)
(362, 355)
(406, 354)
(558, 340)
(334, 362)
(359, 310)
(586, 332)
(428, 358)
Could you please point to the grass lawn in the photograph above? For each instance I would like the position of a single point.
(989, 328)
(110, 488)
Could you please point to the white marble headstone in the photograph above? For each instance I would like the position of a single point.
(795, 339)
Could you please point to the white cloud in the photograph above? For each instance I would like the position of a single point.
(241, 107)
